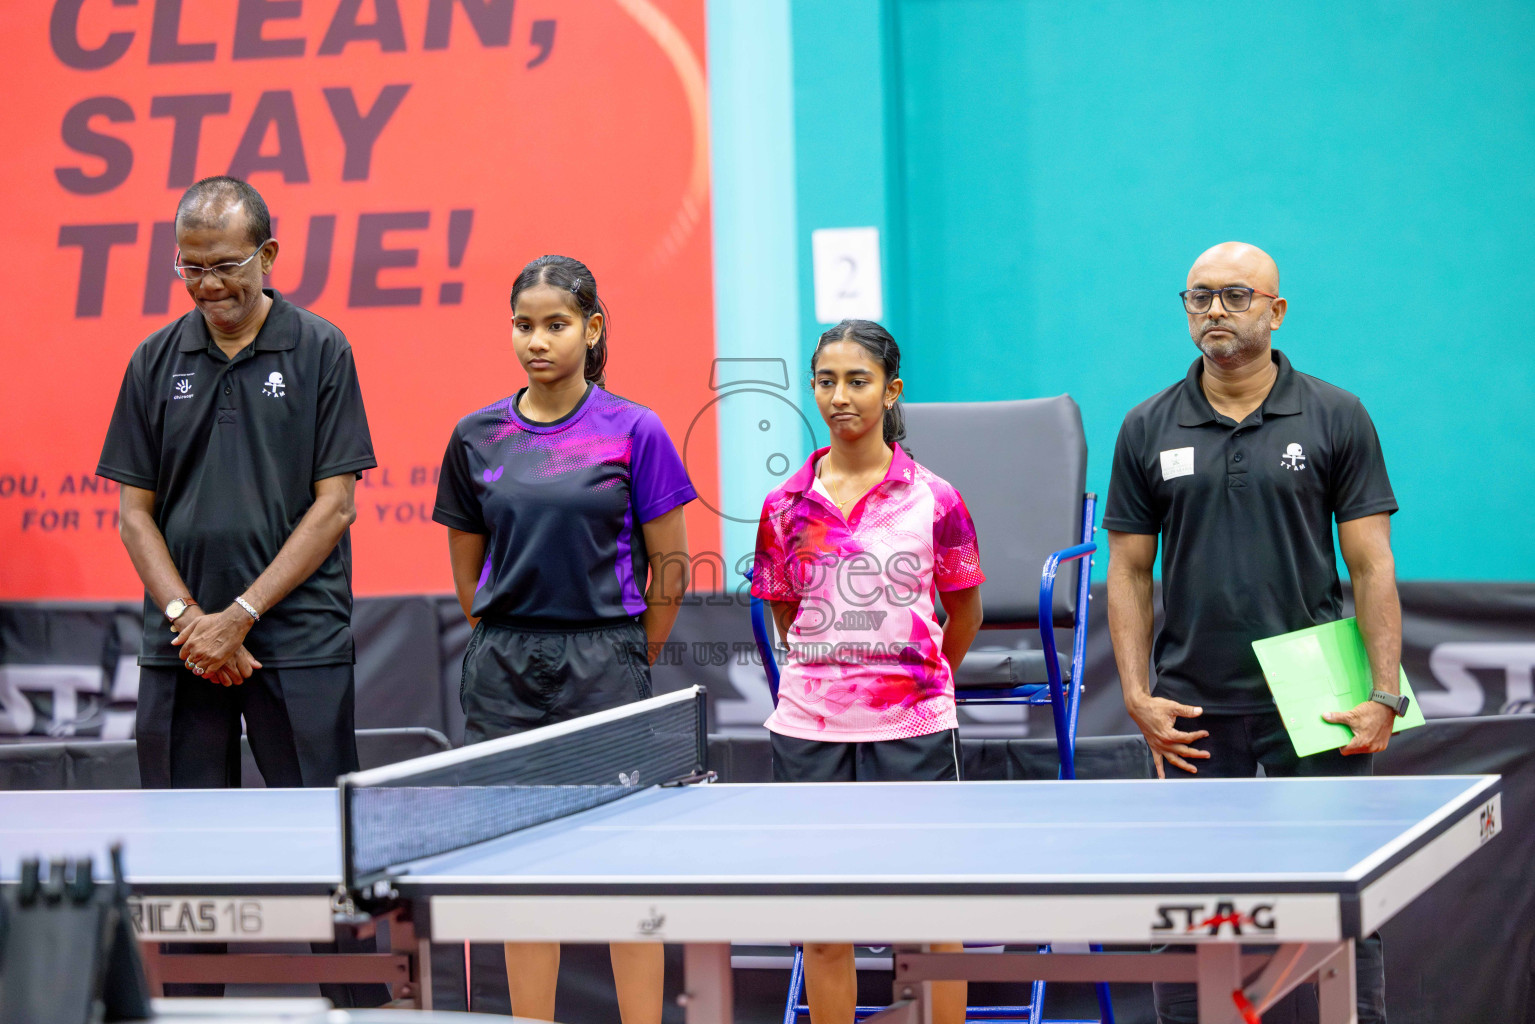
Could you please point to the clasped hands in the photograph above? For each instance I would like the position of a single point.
(213, 645)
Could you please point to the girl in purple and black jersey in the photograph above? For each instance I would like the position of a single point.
(559, 500)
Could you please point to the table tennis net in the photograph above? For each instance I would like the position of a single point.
(401, 813)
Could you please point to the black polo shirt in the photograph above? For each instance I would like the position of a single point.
(232, 449)
(1245, 514)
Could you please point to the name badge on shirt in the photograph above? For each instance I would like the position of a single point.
(1177, 462)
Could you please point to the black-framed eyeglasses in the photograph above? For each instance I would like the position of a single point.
(1235, 298)
(192, 272)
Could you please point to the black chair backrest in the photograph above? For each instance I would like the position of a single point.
(1021, 467)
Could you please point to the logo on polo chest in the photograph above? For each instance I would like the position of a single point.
(274, 386)
(182, 388)
(1294, 458)
(1177, 462)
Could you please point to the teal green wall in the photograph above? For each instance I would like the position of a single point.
(1043, 174)
(846, 132)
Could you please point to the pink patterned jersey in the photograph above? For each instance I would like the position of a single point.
(865, 659)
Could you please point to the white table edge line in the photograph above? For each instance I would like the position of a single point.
(1212, 882)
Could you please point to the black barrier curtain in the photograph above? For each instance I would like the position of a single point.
(67, 670)
(1464, 951)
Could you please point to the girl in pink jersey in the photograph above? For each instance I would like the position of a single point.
(850, 553)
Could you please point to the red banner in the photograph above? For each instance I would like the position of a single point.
(414, 155)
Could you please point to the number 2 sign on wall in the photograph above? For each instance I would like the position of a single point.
(848, 283)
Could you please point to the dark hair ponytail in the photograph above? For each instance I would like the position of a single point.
(572, 276)
(875, 340)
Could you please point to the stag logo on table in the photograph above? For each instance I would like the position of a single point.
(1194, 919)
(1487, 822)
(653, 924)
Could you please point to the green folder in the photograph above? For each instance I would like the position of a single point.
(1323, 668)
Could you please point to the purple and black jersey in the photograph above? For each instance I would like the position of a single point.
(561, 505)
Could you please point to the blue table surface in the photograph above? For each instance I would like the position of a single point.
(202, 836)
(1278, 829)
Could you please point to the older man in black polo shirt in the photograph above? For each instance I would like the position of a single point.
(1241, 468)
(237, 438)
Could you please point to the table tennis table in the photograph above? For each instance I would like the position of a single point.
(212, 866)
(1299, 868)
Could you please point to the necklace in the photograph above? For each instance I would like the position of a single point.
(841, 505)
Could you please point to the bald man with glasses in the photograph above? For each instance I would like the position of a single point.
(1240, 470)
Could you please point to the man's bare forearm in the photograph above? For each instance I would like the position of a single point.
(305, 550)
(1131, 558)
(1130, 622)
(1366, 546)
(151, 558)
(1378, 610)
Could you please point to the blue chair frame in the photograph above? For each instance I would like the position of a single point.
(1064, 707)
(1064, 703)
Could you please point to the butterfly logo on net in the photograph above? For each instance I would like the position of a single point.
(653, 924)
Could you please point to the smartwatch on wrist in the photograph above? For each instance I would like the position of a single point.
(178, 607)
(1397, 702)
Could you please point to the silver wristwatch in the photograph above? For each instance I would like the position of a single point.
(1397, 702)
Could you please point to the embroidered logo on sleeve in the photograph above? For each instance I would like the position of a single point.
(1293, 458)
(1177, 462)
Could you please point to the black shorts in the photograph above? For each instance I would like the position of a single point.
(930, 758)
(516, 678)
